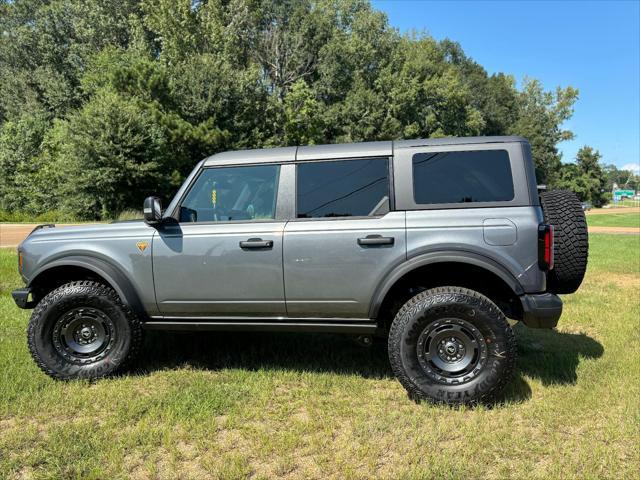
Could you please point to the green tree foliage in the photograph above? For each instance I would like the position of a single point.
(540, 118)
(302, 119)
(624, 179)
(21, 179)
(109, 154)
(103, 102)
(586, 177)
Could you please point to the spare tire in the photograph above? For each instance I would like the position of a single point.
(563, 210)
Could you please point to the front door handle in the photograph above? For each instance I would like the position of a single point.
(376, 240)
(256, 243)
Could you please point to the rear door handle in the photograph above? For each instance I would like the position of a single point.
(376, 240)
(256, 243)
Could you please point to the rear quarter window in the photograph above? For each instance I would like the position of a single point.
(462, 177)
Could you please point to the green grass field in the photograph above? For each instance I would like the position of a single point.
(614, 219)
(319, 406)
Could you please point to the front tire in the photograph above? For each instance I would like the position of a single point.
(82, 330)
(452, 345)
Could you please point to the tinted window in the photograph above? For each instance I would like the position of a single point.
(232, 193)
(457, 177)
(343, 188)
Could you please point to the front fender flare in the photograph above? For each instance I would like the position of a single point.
(432, 258)
(112, 275)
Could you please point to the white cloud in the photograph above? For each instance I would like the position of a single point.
(634, 167)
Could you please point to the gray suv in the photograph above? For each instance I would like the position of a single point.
(430, 244)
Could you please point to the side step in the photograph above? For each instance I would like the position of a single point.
(255, 326)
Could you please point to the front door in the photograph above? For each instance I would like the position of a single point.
(344, 240)
(223, 258)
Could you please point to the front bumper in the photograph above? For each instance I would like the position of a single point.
(23, 298)
(541, 310)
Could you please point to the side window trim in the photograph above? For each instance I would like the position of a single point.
(286, 195)
(403, 176)
(175, 214)
(390, 186)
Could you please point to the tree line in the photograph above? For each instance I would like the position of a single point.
(103, 103)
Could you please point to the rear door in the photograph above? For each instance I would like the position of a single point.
(224, 256)
(344, 239)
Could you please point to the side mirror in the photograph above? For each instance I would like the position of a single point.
(152, 209)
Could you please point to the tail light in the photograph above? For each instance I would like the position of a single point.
(545, 246)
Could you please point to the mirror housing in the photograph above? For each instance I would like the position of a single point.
(152, 209)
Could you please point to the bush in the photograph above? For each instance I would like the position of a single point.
(20, 166)
(130, 215)
(52, 216)
(111, 155)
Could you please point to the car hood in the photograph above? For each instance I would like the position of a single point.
(88, 231)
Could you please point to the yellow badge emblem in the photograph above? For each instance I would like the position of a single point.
(142, 246)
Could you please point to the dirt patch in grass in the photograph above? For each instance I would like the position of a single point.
(615, 230)
(612, 211)
(622, 280)
(184, 462)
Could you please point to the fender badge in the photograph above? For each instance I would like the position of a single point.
(142, 246)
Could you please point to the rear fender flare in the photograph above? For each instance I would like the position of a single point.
(432, 258)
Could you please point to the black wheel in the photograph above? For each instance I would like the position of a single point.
(452, 345)
(563, 210)
(82, 330)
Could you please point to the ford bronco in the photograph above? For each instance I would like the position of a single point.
(431, 244)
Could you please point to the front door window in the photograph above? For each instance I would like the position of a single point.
(232, 193)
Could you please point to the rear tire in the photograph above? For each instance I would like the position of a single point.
(563, 210)
(82, 330)
(452, 345)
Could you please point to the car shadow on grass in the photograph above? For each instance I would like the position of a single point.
(553, 357)
(252, 351)
(547, 355)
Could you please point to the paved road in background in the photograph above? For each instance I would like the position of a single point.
(11, 234)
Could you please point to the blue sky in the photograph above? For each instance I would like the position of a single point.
(591, 45)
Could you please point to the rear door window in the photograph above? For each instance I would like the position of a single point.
(461, 177)
(344, 188)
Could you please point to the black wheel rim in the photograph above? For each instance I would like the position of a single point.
(84, 335)
(452, 351)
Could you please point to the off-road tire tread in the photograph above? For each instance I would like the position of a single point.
(434, 296)
(89, 288)
(562, 209)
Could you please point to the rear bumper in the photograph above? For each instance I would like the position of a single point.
(21, 297)
(541, 310)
